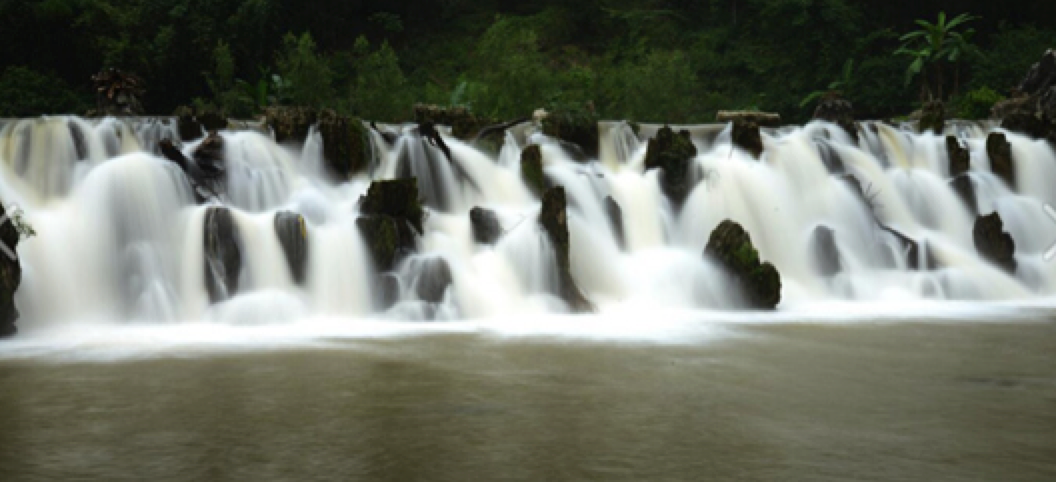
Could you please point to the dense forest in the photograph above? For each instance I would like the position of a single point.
(647, 60)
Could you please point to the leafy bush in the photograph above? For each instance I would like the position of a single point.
(25, 92)
(307, 77)
(976, 104)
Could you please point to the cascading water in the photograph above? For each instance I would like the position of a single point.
(120, 235)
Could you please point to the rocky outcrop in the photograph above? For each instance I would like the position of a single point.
(762, 119)
(826, 253)
(1000, 152)
(391, 220)
(578, 127)
(993, 243)
(554, 220)
(673, 154)
(464, 124)
(731, 247)
(223, 254)
(345, 144)
(1032, 110)
(835, 109)
(10, 274)
(746, 135)
(532, 169)
(933, 118)
(290, 124)
(485, 224)
(615, 214)
(433, 279)
(960, 158)
(292, 232)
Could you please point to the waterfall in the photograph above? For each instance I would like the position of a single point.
(120, 232)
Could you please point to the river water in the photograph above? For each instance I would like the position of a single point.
(882, 400)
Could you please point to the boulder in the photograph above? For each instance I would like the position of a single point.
(463, 123)
(391, 220)
(578, 127)
(746, 135)
(208, 178)
(192, 122)
(993, 243)
(1041, 76)
(731, 247)
(933, 118)
(1000, 152)
(673, 154)
(10, 275)
(292, 232)
(835, 109)
(223, 254)
(960, 158)
(290, 124)
(532, 169)
(554, 220)
(433, 279)
(485, 224)
(826, 253)
(762, 119)
(346, 145)
(1032, 108)
(615, 214)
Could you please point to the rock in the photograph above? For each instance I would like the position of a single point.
(912, 250)
(965, 189)
(532, 169)
(1041, 76)
(433, 279)
(993, 243)
(615, 214)
(933, 117)
(960, 157)
(392, 218)
(290, 124)
(464, 124)
(209, 154)
(345, 144)
(486, 227)
(575, 126)
(731, 247)
(10, 276)
(554, 220)
(762, 119)
(192, 122)
(223, 254)
(207, 178)
(1032, 108)
(386, 291)
(837, 110)
(826, 253)
(292, 232)
(672, 154)
(1000, 152)
(746, 136)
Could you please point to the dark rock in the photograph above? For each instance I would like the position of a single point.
(746, 135)
(290, 124)
(933, 117)
(532, 169)
(486, 227)
(993, 243)
(826, 253)
(464, 124)
(731, 247)
(672, 153)
(209, 154)
(292, 232)
(392, 218)
(575, 126)
(207, 177)
(1041, 76)
(80, 144)
(1032, 108)
(762, 119)
(834, 108)
(223, 254)
(10, 276)
(960, 157)
(186, 123)
(965, 189)
(345, 144)
(1000, 152)
(615, 214)
(553, 218)
(434, 277)
(912, 250)
(386, 291)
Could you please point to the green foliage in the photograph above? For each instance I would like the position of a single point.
(379, 90)
(307, 78)
(932, 48)
(839, 86)
(1011, 52)
(25, 92)
(976, 104)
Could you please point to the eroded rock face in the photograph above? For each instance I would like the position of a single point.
(532, 169)
(933, 117)
(834, 108)
(993, 243)
(485, 224)
(746, 135)
(392, 219)
(293, 237)
(1000, 152)
(553, 218)
(731, 247)
(223, 254)
(10, 277)
(672, 153)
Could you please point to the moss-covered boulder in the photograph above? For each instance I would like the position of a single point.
(933, 117)
(615, 215)
(485, 225)
(731, 247)
(290, 124)
(346, 145)
(993, 243)
(673, 154)
(532, 169)
(223, 254)
(577, 126)
(292, 232)
(10, 275)
(391, 219)
(1000, 152)
(554, 220)
(835, 109)
(745, 135)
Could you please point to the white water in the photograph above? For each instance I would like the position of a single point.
(120, 239)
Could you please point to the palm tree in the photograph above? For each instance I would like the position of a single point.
(933, 45)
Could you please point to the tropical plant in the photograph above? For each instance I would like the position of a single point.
(838, 86)
(932, 47)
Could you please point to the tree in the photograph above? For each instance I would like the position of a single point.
(932, 47)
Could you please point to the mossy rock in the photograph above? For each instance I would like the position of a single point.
(933, 118)
(746, 135)
(396, 198)
(993, 243)
(346, 145)
(959, 156)
(673, 154)
(292, 232)
(731, 247)
(10, 278)
(554, 219)
(223, 254)
(575, 126)
(1000, 152)
(834, 108)
(464, 124)
(290, 124)
(392, 218)
(383, 239)
(532, 169)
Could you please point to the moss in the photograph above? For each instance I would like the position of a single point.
(290, 124)
(672, 153)
(345, 143)
(396, 198)
(382, 236)
(731, 246)
(532, 169)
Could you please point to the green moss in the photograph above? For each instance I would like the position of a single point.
(672, 153)
(345, 143)
(576, 125)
